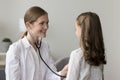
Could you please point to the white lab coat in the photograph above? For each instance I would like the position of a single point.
(24, 63)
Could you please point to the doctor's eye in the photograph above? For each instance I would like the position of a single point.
(42, 23)
(47, 23)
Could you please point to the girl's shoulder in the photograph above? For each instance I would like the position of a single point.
(77, 53)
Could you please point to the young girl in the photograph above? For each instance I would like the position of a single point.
(86, 62)
(23, 60)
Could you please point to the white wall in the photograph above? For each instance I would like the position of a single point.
(62, 14)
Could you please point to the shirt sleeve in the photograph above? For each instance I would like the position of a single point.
(73, 67)
(12, 68)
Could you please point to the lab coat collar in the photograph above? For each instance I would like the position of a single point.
(26, 42)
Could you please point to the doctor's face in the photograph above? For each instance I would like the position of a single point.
(40, 26)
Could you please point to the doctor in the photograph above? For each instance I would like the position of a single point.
(23, 61)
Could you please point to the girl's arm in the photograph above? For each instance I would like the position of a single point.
(73, 67)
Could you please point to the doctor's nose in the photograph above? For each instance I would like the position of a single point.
(46, 26)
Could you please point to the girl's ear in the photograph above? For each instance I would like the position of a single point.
(28, 25)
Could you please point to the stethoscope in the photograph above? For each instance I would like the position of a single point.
(38, 47)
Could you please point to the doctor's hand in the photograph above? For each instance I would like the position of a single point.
(64, 70)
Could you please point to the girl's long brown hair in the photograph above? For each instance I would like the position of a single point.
(91, 39)
(31, 15)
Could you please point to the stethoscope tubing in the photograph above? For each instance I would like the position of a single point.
(38, 47)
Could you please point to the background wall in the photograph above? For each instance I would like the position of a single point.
(61, 34)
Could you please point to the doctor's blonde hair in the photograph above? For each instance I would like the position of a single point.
(31, 15)
(91, 38)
